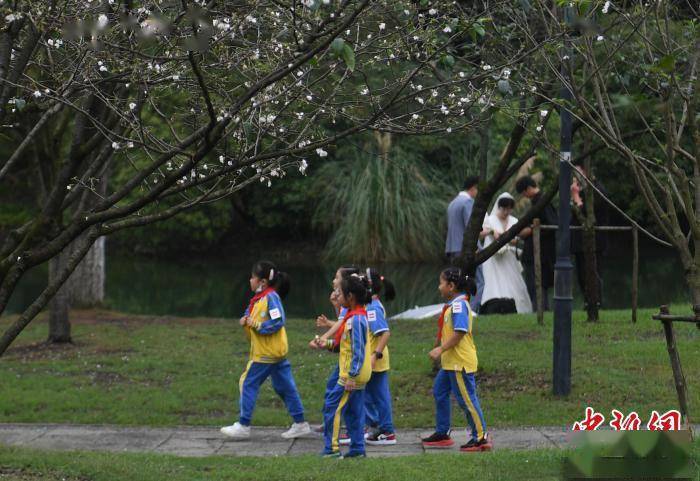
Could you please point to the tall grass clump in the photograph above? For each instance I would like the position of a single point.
(381, 207)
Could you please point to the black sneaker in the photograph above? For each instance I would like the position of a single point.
(354, 456)
(484, 444)
(332, 455)
(437, 440)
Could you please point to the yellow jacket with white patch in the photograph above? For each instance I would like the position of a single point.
(268, 337)
(462, 357)
(354, 360)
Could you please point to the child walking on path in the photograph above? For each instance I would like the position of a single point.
(263, 323)
(457, 353)
(347, 397)
(378, 395)
(331, 338)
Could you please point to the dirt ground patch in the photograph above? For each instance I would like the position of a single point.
(103, 316)
(107, 378)
(511, 382)
(96, 316)
(37, 351)
(528, 336)
(41, 350)
(14, 474)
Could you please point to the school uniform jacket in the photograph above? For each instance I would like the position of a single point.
(354, 359)
(459, 317)
(376, 318)
(268, 337)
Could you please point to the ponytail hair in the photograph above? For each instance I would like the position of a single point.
(460, 279)
(359, 287)
(378, 284)
(276, 279)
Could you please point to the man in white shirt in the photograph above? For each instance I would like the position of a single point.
(458, 213)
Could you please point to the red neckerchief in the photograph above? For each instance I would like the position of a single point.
(257, 297)
(360, 310)
(339, 333)
(441, 323)
(441, 320)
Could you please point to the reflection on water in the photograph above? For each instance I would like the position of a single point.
(220, 288)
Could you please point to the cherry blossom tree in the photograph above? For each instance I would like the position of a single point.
(199, 99)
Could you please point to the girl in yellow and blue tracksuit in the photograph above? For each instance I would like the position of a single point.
(263, 322)
(378, 396)
(347, 396)
(457, 353)
(331, 339)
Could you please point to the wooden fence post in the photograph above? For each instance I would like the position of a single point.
(537, 253)
(678, 377)
(635, 272)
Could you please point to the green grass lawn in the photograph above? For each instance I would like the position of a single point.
(27, 465)
(134, 370)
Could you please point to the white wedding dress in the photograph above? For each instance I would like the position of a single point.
(503, 272)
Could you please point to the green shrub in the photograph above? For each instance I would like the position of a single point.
(378, 208)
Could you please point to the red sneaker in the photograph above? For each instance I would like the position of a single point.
(381, 439)
(437, 440)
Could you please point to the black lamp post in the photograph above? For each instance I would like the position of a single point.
(563, 299)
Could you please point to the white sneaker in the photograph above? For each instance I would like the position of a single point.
(297, 430)
(237, 431)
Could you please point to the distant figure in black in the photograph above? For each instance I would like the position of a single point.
(580, 190)
(528, 188)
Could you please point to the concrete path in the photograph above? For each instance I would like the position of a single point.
(264, 441)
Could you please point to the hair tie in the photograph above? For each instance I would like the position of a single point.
(272, 274)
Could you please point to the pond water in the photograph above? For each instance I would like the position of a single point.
(211, 288)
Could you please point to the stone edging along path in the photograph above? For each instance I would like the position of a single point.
(264, 441)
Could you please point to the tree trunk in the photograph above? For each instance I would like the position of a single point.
(590, 273)
(695, 285)
(60, 278)
(588, 239)
(59, 323)
(693, 279)
(87, 283)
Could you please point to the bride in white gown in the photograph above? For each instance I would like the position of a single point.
(503, 277)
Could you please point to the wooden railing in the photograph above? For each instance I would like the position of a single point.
(536, 239)
(667, 319)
